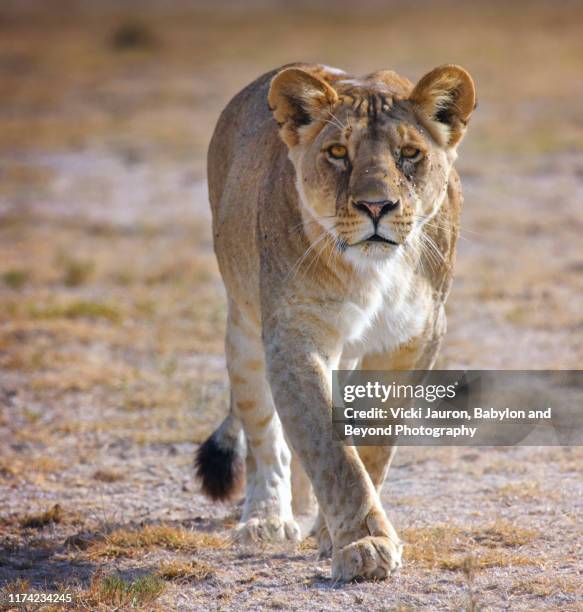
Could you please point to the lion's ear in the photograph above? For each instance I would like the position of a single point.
(446, 96)
(296, 98)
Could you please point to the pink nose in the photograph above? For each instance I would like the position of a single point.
(376, 210)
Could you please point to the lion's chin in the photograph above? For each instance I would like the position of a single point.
(371, 254)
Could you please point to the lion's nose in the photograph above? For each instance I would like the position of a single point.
(376, 210)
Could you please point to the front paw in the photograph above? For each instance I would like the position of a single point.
(369, 558)
(272, 529)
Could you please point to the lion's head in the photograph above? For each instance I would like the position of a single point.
(372, 156)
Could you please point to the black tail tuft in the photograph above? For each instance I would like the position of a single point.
(219, 465)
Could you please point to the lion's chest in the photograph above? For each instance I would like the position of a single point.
(390, 314)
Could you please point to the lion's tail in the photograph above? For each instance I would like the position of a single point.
(220, 461)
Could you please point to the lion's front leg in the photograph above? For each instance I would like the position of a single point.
(364, 541)
(377, 461)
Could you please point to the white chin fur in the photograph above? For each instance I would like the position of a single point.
(373, 257)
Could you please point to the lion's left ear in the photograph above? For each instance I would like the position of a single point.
(296, 98)
(446, 97)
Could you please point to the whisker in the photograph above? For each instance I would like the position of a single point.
(309, 222)
(445, 227)
(335, 118)
(441, 227)
(431, 250)
(331, 123)
(312, 249)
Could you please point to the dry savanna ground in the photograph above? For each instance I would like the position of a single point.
(112, 311)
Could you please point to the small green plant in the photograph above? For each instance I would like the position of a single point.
(117, 591)
(80, 309)
(15, 279)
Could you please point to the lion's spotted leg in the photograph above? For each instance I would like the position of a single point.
(364, 541)
(377, 461)
(267, 513)
(420, 353)
(303, 500)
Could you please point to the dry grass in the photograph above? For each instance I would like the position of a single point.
(76, 272)
(505, 534)
(526, 490)
(21, 585)
(186, 571)
(544, 586)
(487, 559)
(105, 475)
(129, 543)
(30, 469)
(308, 545)
(448, 547)
(113, 591)
(42, 519)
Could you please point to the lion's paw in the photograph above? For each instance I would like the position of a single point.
(271, 529)
(369, 558)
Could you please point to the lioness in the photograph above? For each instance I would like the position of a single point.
(335, 217)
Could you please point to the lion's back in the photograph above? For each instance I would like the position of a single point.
(244, 121)
(242, 161)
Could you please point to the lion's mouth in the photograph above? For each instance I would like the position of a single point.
(377, 238)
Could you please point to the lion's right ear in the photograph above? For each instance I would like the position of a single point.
(296, 98)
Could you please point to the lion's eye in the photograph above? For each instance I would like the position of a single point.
(338, 151)
(410, 153)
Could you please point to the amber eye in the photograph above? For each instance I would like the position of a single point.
(337, 151)
(410, 152)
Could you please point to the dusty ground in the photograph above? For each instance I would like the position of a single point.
(112, 311)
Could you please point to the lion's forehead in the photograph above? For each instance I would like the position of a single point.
(366, 102)
(365, 113)
(372, 105)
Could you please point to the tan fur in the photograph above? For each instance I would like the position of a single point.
(308, 292)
